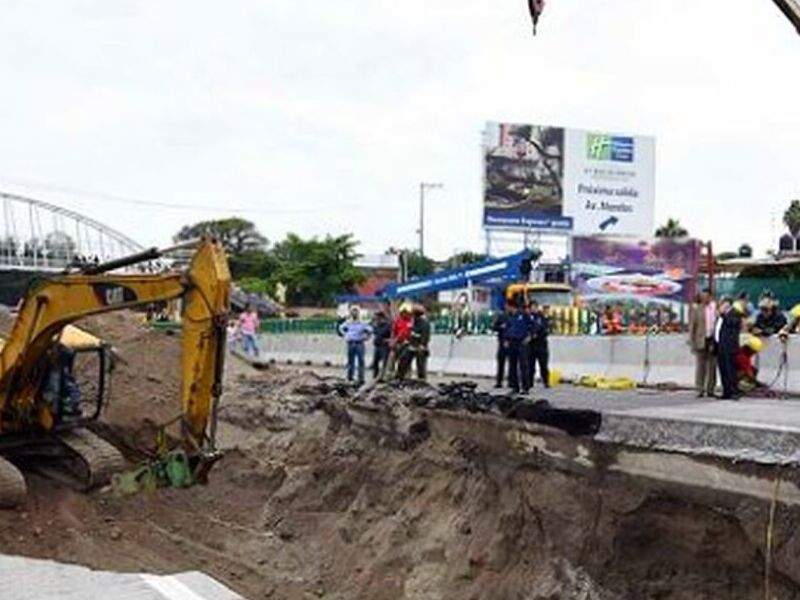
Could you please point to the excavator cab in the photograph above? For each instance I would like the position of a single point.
(75, 385)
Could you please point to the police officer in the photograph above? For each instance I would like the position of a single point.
(517, 334)
(538, 348)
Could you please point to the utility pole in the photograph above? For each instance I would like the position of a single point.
(421, 231)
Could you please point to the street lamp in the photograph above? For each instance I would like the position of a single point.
(421, 231)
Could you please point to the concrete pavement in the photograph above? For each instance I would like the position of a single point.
(33, 579)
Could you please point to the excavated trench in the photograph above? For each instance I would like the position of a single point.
(394, 494)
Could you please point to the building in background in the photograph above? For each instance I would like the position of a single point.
(379, 270)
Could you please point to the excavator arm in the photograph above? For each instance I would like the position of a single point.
(791, 9)
(60, 301)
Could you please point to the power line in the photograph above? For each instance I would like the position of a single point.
(173, 206)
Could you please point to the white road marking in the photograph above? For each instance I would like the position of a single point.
(171, 588)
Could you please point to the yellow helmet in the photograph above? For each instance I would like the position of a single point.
(795, 312)
(405, 307)
(756, 344)
(740, 307)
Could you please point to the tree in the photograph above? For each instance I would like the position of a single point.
(252, 264)
(235, 234)
(59, 245)
(9, 246)
(791, 218)
(418, 264)
(314, 271)
(671, 229)
(254, 285)
(464, 258)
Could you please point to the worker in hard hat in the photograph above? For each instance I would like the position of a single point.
(744, 306)
(401, 335)
(418, 342)
(793, 324)
(746, 371)
(769, 320)
(726, 337)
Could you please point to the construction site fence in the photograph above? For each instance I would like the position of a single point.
(787, 291)
(563, 321)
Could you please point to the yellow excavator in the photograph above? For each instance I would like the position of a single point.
(42, 416)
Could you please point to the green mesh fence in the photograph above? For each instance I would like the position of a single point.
(786, 290)
(564, 321)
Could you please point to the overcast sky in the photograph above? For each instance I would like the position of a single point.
(321, 116)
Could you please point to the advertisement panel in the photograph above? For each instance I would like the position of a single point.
(524, 177)
(551, 178)
(609, 183)
(635, 271)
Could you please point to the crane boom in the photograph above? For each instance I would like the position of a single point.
(506, 268)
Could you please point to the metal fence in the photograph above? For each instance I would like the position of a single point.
(563, 320)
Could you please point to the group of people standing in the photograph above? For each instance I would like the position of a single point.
(522, 344)
(397, 343)
(716, 338)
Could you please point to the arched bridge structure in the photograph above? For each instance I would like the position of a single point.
(43, 237)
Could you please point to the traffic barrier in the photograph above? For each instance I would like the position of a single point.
(649, 360)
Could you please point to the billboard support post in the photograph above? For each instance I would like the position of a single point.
(422, 187)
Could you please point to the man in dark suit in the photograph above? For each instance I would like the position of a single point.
(726, 335)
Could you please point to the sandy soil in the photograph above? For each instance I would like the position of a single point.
(306, 504)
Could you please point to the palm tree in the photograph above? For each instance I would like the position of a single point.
(671, 229)
(791, 218)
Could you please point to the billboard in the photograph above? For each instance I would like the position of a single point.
(553, 178)
(635, 271)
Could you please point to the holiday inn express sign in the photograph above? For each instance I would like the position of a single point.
(551, 178)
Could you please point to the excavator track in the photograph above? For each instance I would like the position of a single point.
(12, 485)
(90, 461)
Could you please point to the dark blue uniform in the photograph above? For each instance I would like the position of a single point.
(538, 350)
(516, 332)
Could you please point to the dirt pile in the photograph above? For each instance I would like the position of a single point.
(324, 494)
(146, 380)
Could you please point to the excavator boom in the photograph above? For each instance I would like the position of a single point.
(26, 357)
